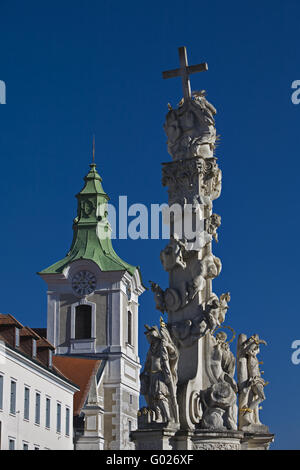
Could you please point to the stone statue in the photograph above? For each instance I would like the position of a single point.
(172, 256)
(159, 377)
(219, 400)
(250, 382)
(212, 266)
(213, 223)
(191, 128)
(207, 320)
(158, 296)
(216, 309)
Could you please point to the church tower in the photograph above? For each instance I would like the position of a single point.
(93, 311)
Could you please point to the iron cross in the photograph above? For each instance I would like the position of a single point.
(184, 72)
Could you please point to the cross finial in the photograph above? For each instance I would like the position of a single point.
(184, 71)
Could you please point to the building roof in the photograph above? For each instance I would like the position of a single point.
(26, 331)
(80, 371)
(44, 343)
(42, 332)
(92, 231)
(8, 319)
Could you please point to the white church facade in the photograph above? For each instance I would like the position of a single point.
(93, 316)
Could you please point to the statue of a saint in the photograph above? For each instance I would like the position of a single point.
(250, 382)
(159, 377)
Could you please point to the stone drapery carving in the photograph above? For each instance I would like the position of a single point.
(172, 255)
(186, 332)
(216, 309)
(219, 400)
(191, 128)
(250, 382)
(159, 378)
(159, 297)
(213, 223)
(197, 272)
(192, 180)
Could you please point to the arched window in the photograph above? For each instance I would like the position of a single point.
(129, 328)
(83, 322)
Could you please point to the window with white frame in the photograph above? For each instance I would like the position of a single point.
(83, 322)
(1, 391)
(129, 328)
(26, 402)
(58, 418)
(13, 392)
(37, 408)
(25, 446)
(48, 405)
(67, 421)
(11, 443)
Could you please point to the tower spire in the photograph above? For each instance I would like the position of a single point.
(94, 149)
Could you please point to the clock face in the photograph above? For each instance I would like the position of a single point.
(84, 283)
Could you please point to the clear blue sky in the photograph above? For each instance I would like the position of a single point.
(77, 68)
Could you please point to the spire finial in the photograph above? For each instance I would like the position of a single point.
(93, 149)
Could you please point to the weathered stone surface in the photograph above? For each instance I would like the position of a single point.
(207, 440)
(159, 380)
(251, 384)
(258, 441)
(154, 439)
(205, 388)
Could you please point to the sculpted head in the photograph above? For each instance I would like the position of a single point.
(221, 337)
(152, 333)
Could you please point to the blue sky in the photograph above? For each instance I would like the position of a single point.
(74, 69)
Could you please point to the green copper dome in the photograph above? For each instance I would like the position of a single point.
(92, 231)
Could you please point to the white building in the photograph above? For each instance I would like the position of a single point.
(36, 400)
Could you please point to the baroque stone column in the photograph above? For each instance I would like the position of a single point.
(206, 391)
(204, 370)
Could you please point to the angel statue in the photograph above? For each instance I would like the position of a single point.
(159, 377)
(250, 383)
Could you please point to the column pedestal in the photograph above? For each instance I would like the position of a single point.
(217, 440)
(154, 439)
(90, 443)
(257, 441)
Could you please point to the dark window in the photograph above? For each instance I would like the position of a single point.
(37, 408)
(129, 427)
(83, 322)
(58, 417)
(13, 387)
(129, 328)
(26, 403)
(48, 413)
(11, 444)
(1, 392)
(67, 422)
